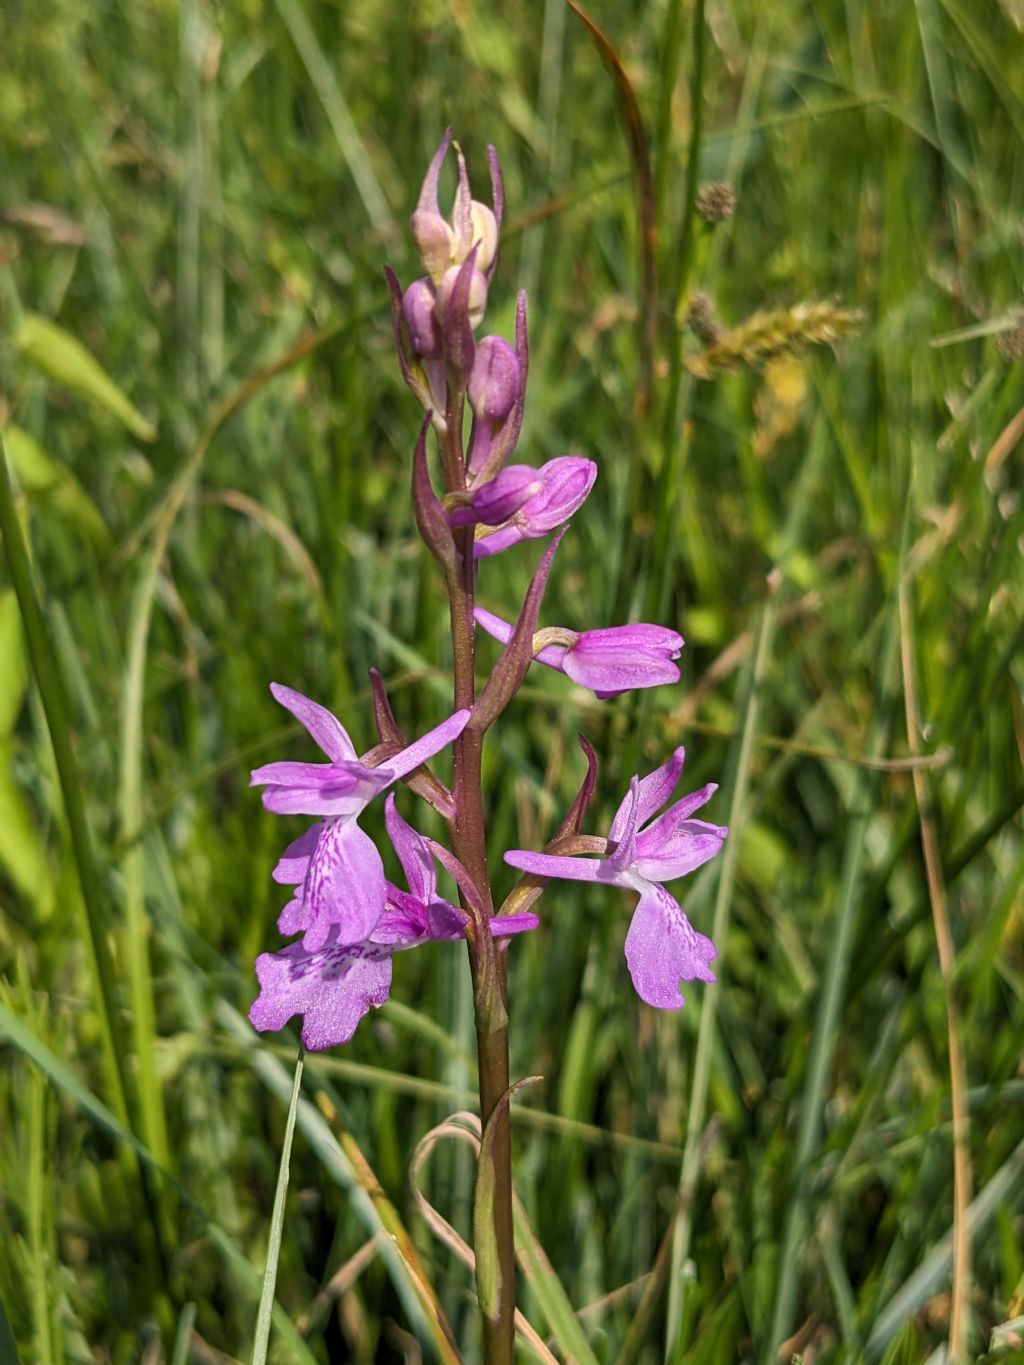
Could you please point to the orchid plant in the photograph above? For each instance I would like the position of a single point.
(351, 919)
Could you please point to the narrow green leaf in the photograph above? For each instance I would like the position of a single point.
(263, 1317)
(563, 1324)
(65, 360)
(13, 663)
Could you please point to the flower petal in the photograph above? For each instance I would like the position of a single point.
(663, 948)
(331, 988)
(444, 921)
(567, 481)
(337, 801)
(504, 926)
(344, 887)
(289, 774)
(432, 743)
(620, 658)
(413, 854)
(625, 841)
(493, 502)
(323, 725)
(293, 864)
(294, 918)
(571, 869)
(665, 853)
(653, 791)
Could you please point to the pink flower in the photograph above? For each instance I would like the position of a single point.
(335, 985)
(565, 484)
(662, 947)
(610, 660)
(342, 873)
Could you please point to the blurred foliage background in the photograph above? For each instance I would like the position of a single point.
(807, 419)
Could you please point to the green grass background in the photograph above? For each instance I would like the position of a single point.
(232, 179)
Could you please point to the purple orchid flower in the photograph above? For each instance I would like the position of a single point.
(662, 947)
(565, 483)
(334, 986)
(495, 501)
(610, 661)
(337, 865)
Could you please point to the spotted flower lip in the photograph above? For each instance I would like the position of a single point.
(610, 661)
(566, 482)
(341, 873)
(662, 947)
(336, 984)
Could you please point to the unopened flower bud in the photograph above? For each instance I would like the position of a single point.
(443, 243)
(483, 229)
(496, 381)
(477, 300)
(418, 306)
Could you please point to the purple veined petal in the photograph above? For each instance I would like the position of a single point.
(621, 658)
(294, 861)
(677, 821)
(570, 869)
(504, 926)
(663, 948)
(332, 988)
(683, 853)
(653, 791)
(323, 725)
(345, 886)
(624, 852)
(413, 854)
(567, 481)
(292, 774)
(431, 743)
(330, 802)
(551, 655)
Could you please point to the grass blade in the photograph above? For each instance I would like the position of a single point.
(263, 1317)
